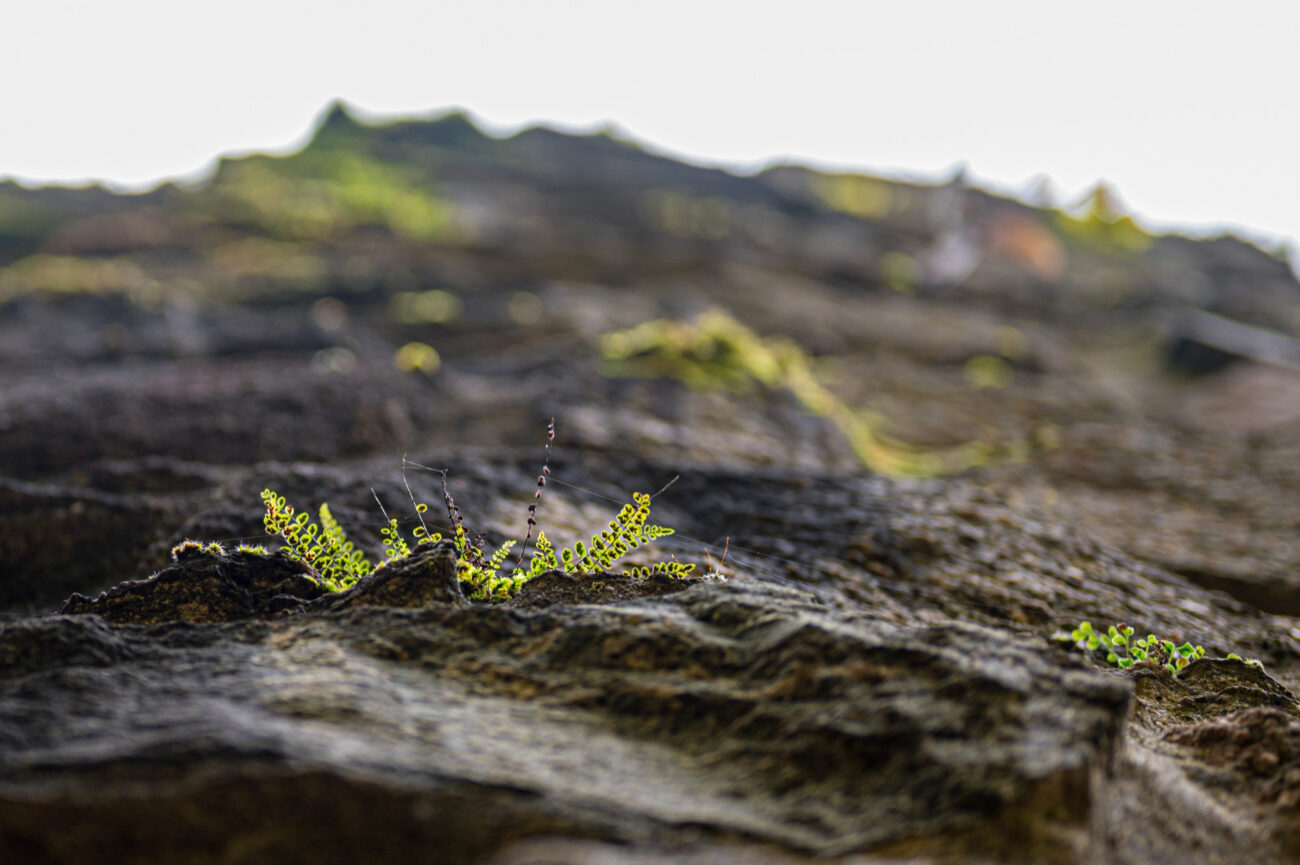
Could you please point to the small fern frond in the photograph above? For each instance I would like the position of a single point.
(628, 530)
(499, 557)
(546, 551)
(542, 561)
(395, 546)
(677, 570)
(325, 548)
(343, 563)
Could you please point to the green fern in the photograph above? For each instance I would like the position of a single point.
(499, 557)
(627, 531)
(324, 547)
(337, 564)
(677, 570)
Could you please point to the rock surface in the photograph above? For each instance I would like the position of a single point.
(868, 673)
(725, 711)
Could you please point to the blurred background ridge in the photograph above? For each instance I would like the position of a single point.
(419, 283)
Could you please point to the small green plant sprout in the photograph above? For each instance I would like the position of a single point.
(338, 565)
(628, 530)
(324, 547)
(1123, 651)
(395, 546)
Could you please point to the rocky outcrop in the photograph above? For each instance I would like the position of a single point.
(727, 711)
(822, 710)
(866, 670)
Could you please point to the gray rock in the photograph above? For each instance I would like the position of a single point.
(873, 684)
(727, 712)
(205, 586)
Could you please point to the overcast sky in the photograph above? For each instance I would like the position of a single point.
(1192, 112)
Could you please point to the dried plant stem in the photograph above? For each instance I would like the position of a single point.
(537, 496)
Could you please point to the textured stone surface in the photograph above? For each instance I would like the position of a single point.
(731, 711)
(204, 587)
(872, 680)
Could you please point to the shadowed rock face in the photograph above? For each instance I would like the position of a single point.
(727, 711)
(872, 679)
(204, 587)
(867, 711)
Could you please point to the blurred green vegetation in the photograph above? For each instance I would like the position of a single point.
(856, 195)
(716, 351)
(23, 218)
(259, 223)
(66, 274)
(677, 212)
(1102, 226)
(424, 307)
(321, 193)
(900, 271)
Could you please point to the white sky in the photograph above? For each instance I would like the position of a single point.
(1191, 111)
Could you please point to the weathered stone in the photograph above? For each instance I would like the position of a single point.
(428, 576)
(58, 539)
(557, 587)
(740, 710)
(205, 587)
(873, 681)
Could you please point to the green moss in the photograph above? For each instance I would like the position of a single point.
(1102, 227)
(716, 351)
(866, 198)
(65, 274)
(319, 193)
(190, 549)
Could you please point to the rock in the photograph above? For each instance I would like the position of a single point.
(57, 539)
(557, 587)
(427, 576)
(205, 586)
(865, 676)
(723, 712)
